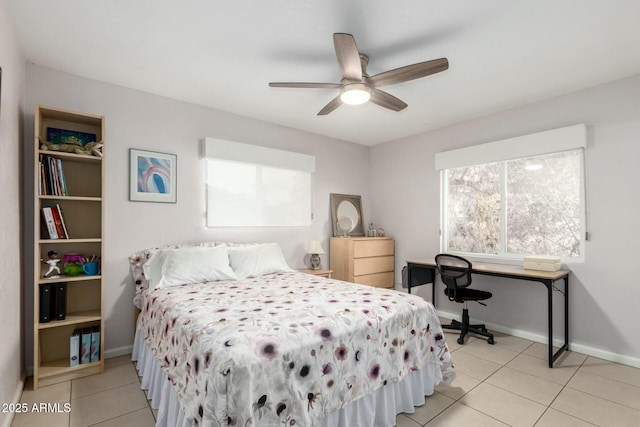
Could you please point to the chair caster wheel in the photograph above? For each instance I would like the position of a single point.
(460, 340)
(490, 341)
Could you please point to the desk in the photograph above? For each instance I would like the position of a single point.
(424, 271)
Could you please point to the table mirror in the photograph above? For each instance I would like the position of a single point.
(346, 215)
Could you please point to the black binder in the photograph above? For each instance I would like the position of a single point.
(61, 301)
(47, 302)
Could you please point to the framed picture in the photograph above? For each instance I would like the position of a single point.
(152, 176)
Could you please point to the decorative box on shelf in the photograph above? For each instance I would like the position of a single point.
(542, 263)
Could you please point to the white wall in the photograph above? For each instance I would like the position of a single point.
(139, 120)
(604, 290)
(11, 253)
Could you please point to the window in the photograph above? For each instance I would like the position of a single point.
(249, 185)
(531, 205)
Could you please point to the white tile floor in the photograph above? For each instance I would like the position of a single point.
(506, 384)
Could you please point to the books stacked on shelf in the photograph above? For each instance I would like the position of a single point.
(84, 346)
(52, 181)
(54, 221)
(53, 302)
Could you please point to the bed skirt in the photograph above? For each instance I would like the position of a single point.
(375, 410)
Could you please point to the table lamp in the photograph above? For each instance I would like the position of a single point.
(315, 249)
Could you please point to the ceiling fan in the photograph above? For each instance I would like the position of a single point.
(357, 87)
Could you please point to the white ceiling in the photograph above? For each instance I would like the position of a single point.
(223, 54)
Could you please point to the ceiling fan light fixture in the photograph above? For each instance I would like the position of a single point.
(357, 87)
(355, 94)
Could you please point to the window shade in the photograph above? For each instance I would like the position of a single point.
(247, 153)
(535, 144)
(253, 186)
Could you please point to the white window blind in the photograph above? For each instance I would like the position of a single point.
(535, 144)
(249, 185)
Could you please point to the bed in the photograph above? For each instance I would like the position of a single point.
(250, 342)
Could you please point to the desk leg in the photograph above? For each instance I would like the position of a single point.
(422, 275)
(566, 312)
(433, 290)
(549, 286)
(553, 357)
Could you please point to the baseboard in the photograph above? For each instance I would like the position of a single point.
(606, 355)
(16, 399)
(120, 351)
(108, 354)
(573, 346)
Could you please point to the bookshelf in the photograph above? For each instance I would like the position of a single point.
(73, 185)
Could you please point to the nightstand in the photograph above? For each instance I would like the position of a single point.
(319, 272)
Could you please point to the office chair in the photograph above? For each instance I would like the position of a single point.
(455, 273)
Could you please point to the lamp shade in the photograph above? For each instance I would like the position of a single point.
(315, 248)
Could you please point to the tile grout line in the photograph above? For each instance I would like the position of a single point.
(504, 365)
(113, 418)
(564, 386)
(102, 391)
(480, 383)
(600, 397)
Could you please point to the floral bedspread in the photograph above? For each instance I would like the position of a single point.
(288, 348)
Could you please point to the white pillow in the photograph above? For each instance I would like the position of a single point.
(257, 260)
(171, 267)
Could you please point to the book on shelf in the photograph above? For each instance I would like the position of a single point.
(63, 182)
(44, 176)
(41, 187)
(54, 220)
(54, 176)
(95, 344)
(64, 227)
(52, 179)
(47, 302)
(85, 346)
(74, 348)
(49, 221)
(50, 175)
(58, 223)
(60, 294)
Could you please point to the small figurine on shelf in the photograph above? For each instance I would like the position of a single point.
(372, 230)
(54, 270)
(380, 232)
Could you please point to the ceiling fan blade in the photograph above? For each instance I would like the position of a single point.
(386, 100)
(348, 56)
(307, 85)
(335, 103)
(409, 72)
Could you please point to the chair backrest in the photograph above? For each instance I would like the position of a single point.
(454, 270)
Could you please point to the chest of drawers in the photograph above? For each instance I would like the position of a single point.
(364, 260)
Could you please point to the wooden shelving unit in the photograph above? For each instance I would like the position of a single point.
(83, 210)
